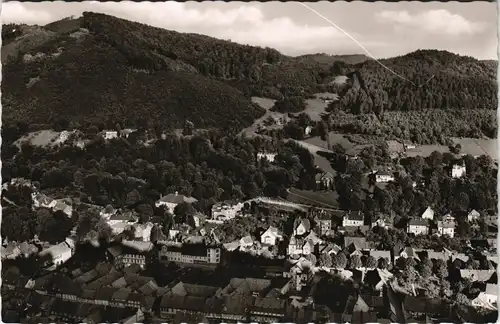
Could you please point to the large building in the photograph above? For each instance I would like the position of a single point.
(170, 201)
(192, 253)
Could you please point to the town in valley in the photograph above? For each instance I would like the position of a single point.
(160, 176)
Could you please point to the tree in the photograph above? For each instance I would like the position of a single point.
(440, 269)
(339, 261)
(461, 299)
(383, 263)
(181, 211)
(325, 260)
(188, 128)
(355, 262)
(370, 262)
(133, 197)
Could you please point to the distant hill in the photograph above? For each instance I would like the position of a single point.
(100, 67)
(439, 79)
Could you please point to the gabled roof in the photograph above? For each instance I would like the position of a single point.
(304, 221)
(477, 275)
(380, 254)
(358, 242)
(428, 213)
(56, 250)
(355, 215)
(418, 222)
(442, 224)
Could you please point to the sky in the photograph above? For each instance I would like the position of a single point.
(384, 29)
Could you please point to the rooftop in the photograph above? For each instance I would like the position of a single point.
(175, 198)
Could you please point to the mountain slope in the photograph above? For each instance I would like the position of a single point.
(440, 80)
(82, 77)
(102, 67)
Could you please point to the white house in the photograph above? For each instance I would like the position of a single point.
(266, 156)
(488, 298)
(59, 253)
(107, 212)
(62, 206)
(109, 134)
(300, 246)
(246, 242)
(270, 236)
(308, 130)
(383, 176)
(428, 214)
(40, 200)
(355, 218)
(458, 171)
(170, 201)
(143, 231)
(473, 215)
(418, 226)
(446, 228)
(225, 211)
(301, 227)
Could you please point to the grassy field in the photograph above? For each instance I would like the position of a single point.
(313, 198)
(41, 138)
(474, 147)
(316, 106)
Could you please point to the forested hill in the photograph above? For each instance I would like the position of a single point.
(103, 67)
(439, 79)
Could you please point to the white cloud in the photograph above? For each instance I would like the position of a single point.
(432, 21)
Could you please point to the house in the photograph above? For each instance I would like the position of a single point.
(109, 134)
(418, 226)
(488, 298)
(379, 254)
(308, 130)
(170, 201)
(357, 311)
(270, 157)
(428, 214)
(377, 278)
(353, 218)
(270, 236)
(354, 244)
(329, 248)
(59, 253)
(196, 220)
(324, 181)
(477, 275)
(40, 200)
(409, 146)
(473, 216)
(298, 246)
(123, 217)
(313, 237)
(383, 176)
(192, 254)
(11, 251)
(107, 212)
(458, 171)
(491, 218)
(301, 226)
(124, 256)
(225, 211)
(143, 231)
(63, 207)
(407, 252)
(246, 242)
(323, 220)
(379, 221)
(125, 133)
(446, 228)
